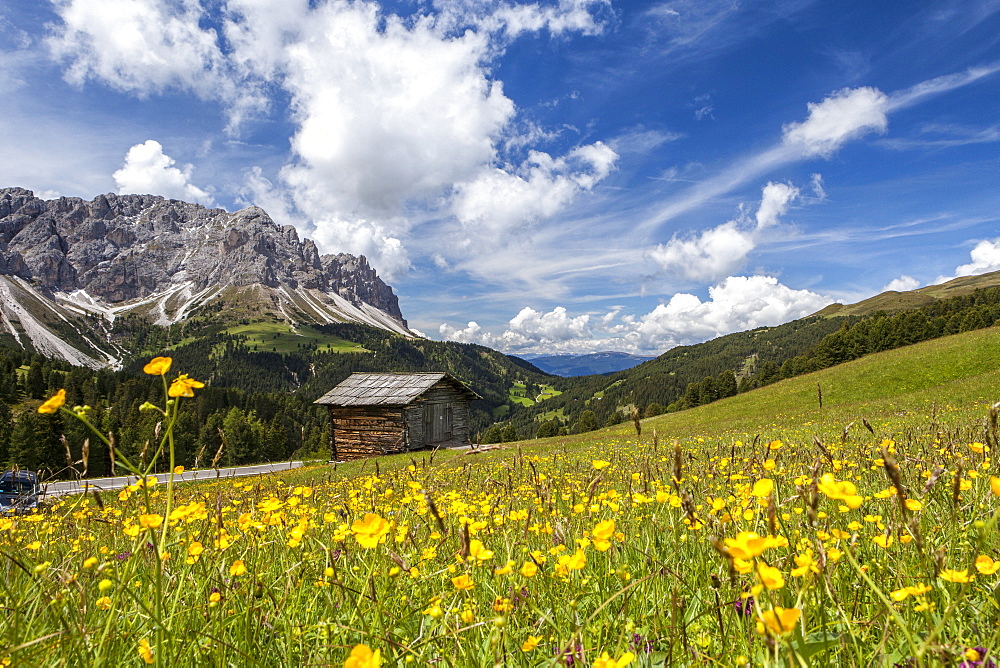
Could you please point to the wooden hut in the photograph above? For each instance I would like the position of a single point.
(387, 413)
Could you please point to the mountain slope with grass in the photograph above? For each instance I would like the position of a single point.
(700, 374)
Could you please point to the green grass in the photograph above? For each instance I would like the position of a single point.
(606, 548)
(518, 394)
(280, 337)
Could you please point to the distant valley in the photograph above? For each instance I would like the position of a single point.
(568, 365)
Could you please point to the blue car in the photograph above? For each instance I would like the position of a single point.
(19, 492)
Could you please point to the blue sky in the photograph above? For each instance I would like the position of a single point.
(553, 176)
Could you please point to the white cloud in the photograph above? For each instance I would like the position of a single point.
(139, 46)
(390, 112)
(529, 328)
(147, 170)
(567, 16)
(816, 183)
(847, 114)
(556, 325)
(722, 250)
(715, 252)
(472, 333)
(498, 202)
(774, 202)
(901, 284)
(737, 303)
(985, 258)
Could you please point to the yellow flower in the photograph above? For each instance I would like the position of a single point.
(362, 656)
(531, 643)
(995, 485)
(912, 590)
(845, 490)
(152, 521)
(960, 577)
(178, 470)
(604, 530)
(805, 564)
(883, 541)
(769, 576)
(214, 598)
(748, 544)
(103, 603)
(145, 651)
(599, 464)
(89, 563)
(463, 582)
(575, 562)
(104, 585)
(158, 366)
(605, 661)
(779, 621)
(914, 505)
(53, 403)
(370, 531)
(529, 569)
(184, 386)
(762, 487)
(986, 565)
(195, 548)
(238, 568)
(478, 552)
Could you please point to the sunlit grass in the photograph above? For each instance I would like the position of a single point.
(758, 530)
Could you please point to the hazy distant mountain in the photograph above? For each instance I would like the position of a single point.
(64, 261)
(585, 365)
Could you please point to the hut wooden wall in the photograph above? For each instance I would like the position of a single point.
(446, 396)
(367, 431)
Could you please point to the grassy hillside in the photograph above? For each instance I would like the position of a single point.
(900, 301)
(958, 373)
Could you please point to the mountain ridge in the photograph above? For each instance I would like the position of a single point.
(568, 364)
(67, 260)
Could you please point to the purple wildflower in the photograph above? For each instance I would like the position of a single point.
(981, 662)
(744, 606)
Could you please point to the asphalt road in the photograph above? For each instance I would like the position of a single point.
(111, 484)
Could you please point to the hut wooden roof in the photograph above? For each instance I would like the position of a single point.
(387, 389)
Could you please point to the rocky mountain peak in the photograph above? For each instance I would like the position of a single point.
(126, 248)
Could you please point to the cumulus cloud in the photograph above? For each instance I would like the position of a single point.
(528, 328)
(389, 112)
(715, 252)
(148, 170)
(139, 46)
(471, 333)
(498, 201)
(902, 284)
(774, 202)
(721, 250)
(737, 303)
(847, 114)
(985, 257)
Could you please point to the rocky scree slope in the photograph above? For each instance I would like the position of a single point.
(65, 261)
